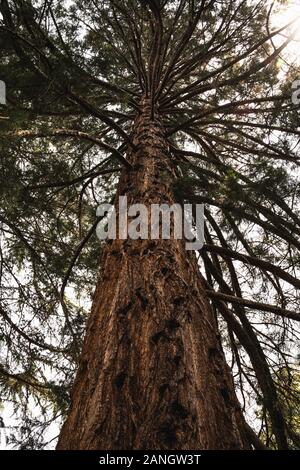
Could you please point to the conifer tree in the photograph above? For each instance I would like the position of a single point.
(164, 102)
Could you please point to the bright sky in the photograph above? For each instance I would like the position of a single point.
(283, 13)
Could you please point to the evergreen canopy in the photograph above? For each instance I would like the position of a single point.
(215, 72)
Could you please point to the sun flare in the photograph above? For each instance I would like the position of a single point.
(282, 15)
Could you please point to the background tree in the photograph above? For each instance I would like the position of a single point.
(208, 76)
(287, 380)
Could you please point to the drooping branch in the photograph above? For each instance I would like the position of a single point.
(255, 305)
(68, 133)
(17, 329)
(253, 261)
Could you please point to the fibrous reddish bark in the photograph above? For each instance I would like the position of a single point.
(152, 373)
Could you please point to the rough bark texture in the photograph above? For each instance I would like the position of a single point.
(152, 372)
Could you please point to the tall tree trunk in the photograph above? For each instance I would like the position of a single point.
(152, 372)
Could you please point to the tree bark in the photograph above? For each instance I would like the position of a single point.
(152, 373)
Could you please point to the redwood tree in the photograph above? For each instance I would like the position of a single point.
(164, 102)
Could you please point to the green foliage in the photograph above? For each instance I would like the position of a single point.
(288, 382)
(225, 105)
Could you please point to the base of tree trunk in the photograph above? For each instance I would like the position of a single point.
(152, 373)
